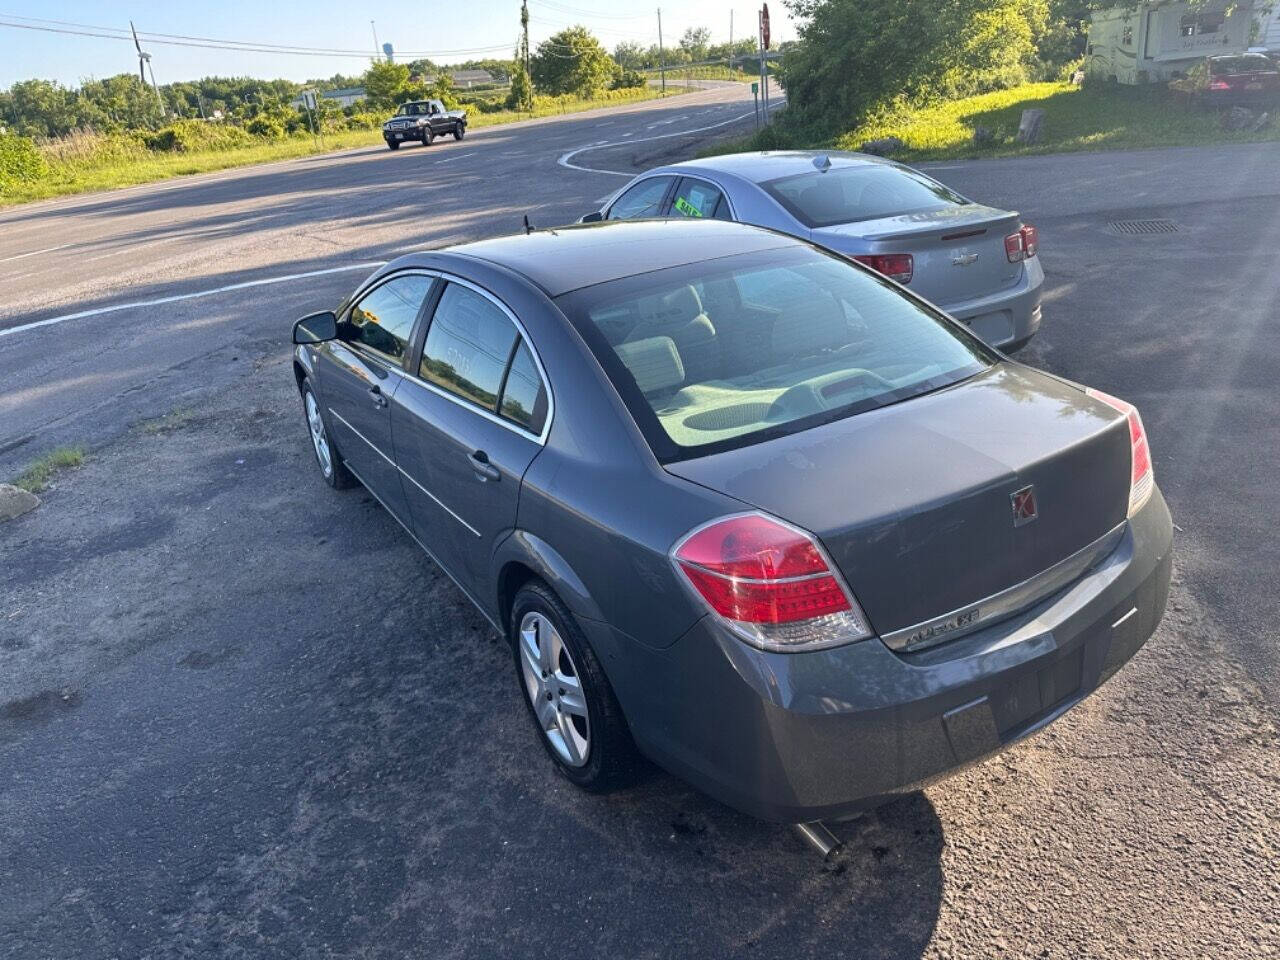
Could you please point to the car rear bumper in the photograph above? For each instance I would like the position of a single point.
(827, 734)
(1221, 99)
(1007, 319)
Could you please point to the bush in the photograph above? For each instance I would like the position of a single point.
(266, 126)
(628, 79)
(358, 121)
(188, 136)
(20, 161)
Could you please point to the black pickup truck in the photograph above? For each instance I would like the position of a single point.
(423, 120)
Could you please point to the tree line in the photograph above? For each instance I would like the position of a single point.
(572, 62)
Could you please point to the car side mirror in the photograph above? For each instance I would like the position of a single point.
(593, 217)
(316, 328)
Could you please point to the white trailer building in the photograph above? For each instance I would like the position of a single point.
(1269, 29)
(1154, 40)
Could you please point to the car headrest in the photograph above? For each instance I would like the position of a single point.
(679, 306)
(654, 362)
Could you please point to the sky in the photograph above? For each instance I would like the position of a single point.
(444, 31)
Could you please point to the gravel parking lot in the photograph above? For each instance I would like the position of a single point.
(242, 715)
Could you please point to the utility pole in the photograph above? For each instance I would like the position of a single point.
(377, 48)
(524, 25)
(730, 41)
(764, 83)
(662, 55)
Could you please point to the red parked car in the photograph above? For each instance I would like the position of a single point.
(1246, 79)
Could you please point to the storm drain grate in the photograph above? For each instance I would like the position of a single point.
(1143, 227)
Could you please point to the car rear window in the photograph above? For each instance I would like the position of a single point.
(705, 362)
(854, 194)
(1250, 63)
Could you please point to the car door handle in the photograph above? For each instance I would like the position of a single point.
(378, 399)
(484, 469)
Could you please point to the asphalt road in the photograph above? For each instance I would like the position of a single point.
(241, 715)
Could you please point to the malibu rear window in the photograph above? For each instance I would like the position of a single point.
(857, 193)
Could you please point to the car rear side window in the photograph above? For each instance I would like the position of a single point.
(644, 199)
(699, 200)
(708, 356)
(468, 346)
(853, 194)
(383, 319)
(524, 395)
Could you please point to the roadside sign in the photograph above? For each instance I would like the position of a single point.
(755, 88)
(764, 27)
(309, 99)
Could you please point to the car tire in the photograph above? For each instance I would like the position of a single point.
(459, 131)
(427, 136)
(393, 144)
(594, 750)
(334, 471)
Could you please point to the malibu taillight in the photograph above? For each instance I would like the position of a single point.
(896, 266)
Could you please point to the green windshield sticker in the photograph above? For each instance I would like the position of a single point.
(687, 208)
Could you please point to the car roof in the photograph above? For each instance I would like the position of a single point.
(569, 258)
(772, 164)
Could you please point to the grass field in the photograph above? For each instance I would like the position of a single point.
(80, 170)
(1076, 118)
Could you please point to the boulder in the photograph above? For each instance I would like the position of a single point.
(983, 136)
(883, 147)
(1032, 126)
(14, 502)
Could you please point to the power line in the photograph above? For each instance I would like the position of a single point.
(178, 40)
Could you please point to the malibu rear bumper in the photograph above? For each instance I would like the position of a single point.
(824, 735)
(1007, 319)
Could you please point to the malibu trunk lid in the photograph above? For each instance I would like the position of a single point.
(958, 250)
(917, 503)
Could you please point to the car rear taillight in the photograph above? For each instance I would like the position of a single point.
(1022, 245)
(1219, 85)
(1143, 477)
(771, 583)
(1030, 240)
(895, 266)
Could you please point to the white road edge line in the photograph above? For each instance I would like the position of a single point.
(565, 160)
(373, 265)
(35, 253)
(458, 156)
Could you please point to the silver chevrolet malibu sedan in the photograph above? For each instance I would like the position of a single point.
(978, 263)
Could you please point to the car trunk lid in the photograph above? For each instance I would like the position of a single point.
(958, 250)
(917, 502)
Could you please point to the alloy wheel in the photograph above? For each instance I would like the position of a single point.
(318, 438)
(554, 686)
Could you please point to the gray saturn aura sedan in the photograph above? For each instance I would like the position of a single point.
(779, 525)
(978, 263)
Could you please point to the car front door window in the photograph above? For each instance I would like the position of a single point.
(383, 319)
(644, 199)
